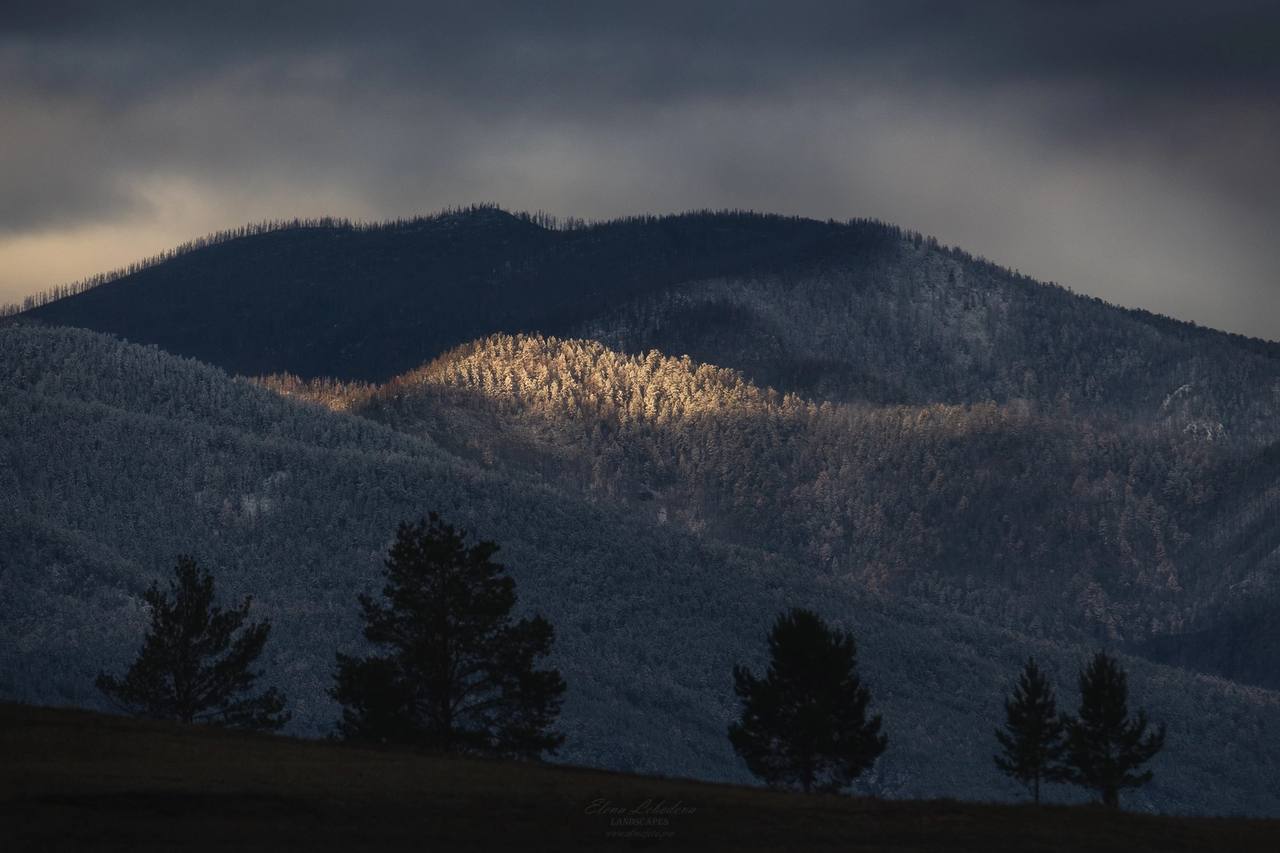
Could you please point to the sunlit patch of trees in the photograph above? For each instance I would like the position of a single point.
(1010, 512)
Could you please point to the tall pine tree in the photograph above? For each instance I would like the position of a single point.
(1105, 746)
(455, 673)
(1032, 741)
(805, 723)
(192, 668)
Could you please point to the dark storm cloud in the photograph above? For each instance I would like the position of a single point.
(1015, 128)
(1140, 44)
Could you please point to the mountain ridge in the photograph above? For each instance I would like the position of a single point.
(75, 304)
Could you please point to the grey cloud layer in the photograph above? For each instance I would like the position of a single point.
(980, 122)
(657, 44)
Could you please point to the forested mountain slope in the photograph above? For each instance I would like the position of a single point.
(371, 302)
(114, 458)
(1061, 526)
(916, 324)
(833, 311)
(1239, 545)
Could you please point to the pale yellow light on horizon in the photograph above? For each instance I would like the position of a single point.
(174, 211)
(32, 263)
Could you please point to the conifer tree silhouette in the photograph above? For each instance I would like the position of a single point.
(191, 667)
(805, 723)
(1105, 746)
(456, 673)
(1032, 741)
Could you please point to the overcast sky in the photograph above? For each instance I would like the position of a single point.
(1126, 149)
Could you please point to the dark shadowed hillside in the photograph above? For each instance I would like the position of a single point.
(371, 302)
(1239, 546)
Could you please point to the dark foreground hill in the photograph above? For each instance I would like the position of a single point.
(72, 780)
(114, 458)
